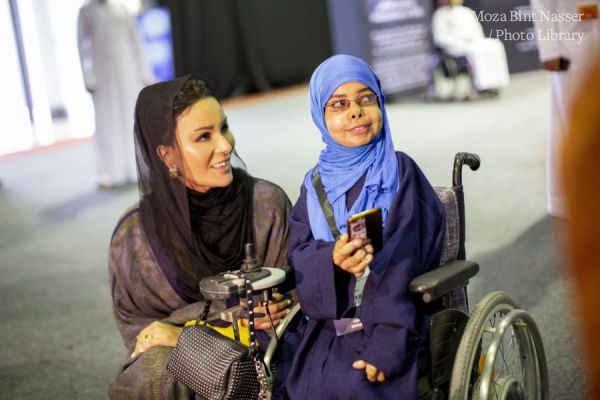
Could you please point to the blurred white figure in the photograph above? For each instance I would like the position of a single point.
(567, 57)
(457, 32)
(114, 71)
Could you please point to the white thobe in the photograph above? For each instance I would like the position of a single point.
(457, 31)
(562, 83)
(114, 71)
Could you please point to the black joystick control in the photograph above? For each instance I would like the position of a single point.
(250, 264)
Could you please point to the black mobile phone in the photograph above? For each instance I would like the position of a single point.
(367, 225)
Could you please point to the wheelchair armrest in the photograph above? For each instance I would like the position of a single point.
(443, 279)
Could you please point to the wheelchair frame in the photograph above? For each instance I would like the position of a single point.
(451, 79)
(469, 353)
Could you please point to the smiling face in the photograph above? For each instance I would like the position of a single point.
(204, 146)
(357, 125)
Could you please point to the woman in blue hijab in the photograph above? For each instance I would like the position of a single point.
(364, 332)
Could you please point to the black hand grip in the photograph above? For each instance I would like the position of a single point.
(471, 159)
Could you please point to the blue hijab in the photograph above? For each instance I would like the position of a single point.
(341, 167)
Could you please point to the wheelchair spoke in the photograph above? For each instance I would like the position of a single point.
(512, 359)
(508, 356)
(514, 352)
(516, 372)
(496, 389)
(509, 363)
(504, 368)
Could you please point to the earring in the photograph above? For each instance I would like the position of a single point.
(173, 172)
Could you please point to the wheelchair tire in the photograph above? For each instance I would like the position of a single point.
(530, 382)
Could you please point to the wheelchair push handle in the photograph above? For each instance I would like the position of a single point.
(462, 158)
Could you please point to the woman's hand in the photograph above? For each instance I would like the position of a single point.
(372, 372)
(156, 334)
(352, 257)
(279, 307)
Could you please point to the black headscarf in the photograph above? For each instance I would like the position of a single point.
(192, 235)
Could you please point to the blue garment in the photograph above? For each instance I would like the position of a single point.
(340, 166)
(394, 329)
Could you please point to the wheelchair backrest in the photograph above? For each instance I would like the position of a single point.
(447, 326)
(456, 299)
(452, 238)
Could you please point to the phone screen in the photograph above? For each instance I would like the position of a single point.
(367, 225)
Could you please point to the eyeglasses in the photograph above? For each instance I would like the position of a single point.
(337, 105)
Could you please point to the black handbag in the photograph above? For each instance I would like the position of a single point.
(215, 366)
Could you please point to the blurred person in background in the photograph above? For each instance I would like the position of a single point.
(114, 71)
(580, 175)
(566, 56)
(196, 212)
(458, 33)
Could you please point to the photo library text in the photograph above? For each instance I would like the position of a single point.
(540, 35)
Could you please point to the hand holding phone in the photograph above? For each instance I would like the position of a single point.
(353, 257)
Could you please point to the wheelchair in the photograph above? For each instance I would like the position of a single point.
(495, 352)
(451, 79)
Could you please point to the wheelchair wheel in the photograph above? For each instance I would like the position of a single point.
(517, 370)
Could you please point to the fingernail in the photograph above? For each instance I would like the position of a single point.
(355, 364)
(289, 302)
(133, 354)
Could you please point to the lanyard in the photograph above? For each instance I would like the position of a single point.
(360, 287)
(328, 212)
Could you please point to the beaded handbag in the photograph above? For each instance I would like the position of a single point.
(215, 366)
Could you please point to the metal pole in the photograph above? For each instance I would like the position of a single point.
(14, 11)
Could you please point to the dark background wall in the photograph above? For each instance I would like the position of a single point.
(245, 46)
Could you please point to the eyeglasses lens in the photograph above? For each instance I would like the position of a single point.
(344, 104)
